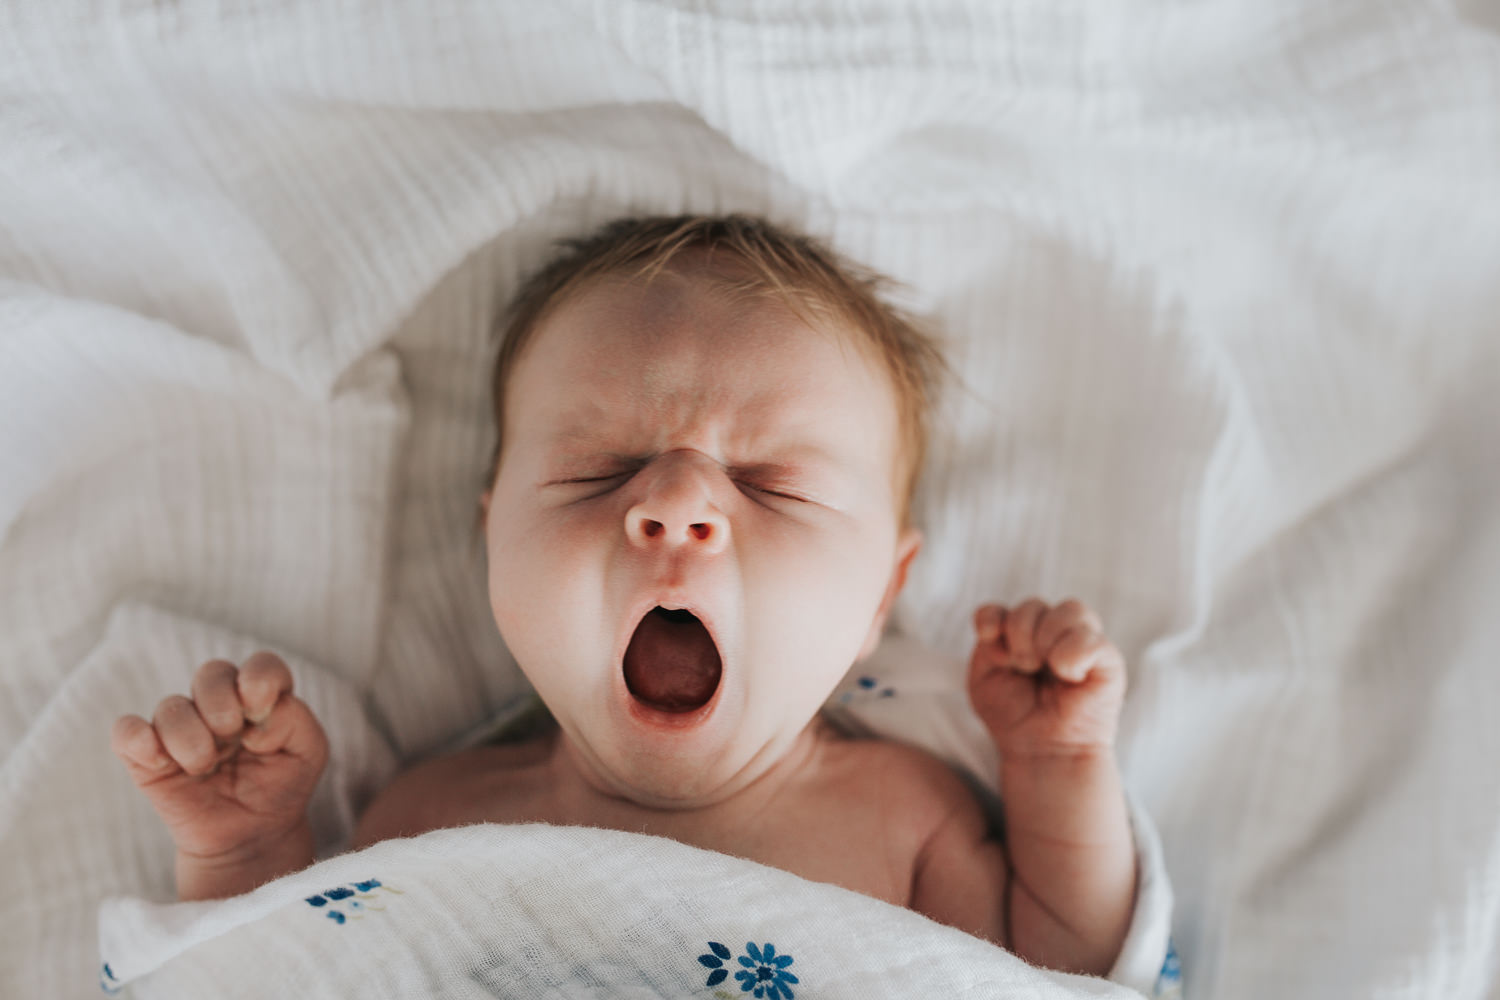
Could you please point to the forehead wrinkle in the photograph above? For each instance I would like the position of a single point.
(662, 399)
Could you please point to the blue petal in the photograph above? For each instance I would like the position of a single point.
(746, 962)
(316, 901)
(769, 954)
(339, 893)
(786, 977)
(710, 961)
(754, 951)
(716, 977)
(782, 961)
(747, 979)
(719, 949)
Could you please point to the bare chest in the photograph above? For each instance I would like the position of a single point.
(837, 827)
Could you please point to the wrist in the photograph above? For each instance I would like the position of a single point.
(1070, 764)
(244, 867)
(1074, 797)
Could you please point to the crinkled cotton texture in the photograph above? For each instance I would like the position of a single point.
(1218, 280)
(534, 910)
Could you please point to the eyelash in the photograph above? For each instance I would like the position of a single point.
(773, 493)
(743, 485)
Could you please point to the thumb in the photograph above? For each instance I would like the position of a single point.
(290, 728)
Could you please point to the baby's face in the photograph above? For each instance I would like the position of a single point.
(668, 448)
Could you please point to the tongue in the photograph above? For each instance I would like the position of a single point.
(672, 663)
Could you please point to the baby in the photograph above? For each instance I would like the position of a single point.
(697, 521)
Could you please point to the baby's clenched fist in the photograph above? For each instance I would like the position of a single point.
(230, 771)
(1045, 680)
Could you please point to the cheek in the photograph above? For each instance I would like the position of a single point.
(543, 585)
(817, 598)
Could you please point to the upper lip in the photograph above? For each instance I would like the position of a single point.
(671, 602)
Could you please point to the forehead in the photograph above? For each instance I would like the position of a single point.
(681, 347)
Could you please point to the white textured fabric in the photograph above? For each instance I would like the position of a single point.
(1219, 280)
(540, 911)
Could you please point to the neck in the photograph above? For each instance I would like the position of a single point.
(579, 781)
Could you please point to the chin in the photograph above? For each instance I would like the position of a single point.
(678, 760)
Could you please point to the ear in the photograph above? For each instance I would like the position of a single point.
(484, 511)
(907, 547)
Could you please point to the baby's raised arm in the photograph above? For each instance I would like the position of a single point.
(1049, 687)
(230, 772)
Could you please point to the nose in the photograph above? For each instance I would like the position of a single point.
(677, 507)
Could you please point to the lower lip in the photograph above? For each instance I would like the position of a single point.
(660, 720)
(656, 718)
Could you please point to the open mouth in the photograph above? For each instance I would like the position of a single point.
(672, 664)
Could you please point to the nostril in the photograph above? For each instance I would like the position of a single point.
(650, 529)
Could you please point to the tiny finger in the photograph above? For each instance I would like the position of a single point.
(1020, 629)
(989, 622)
(136, 744)
(1060, 619)
(985, 660)
(216, 694)
(184, 735)
(1081, 651)
(291, 729)
(263, 679)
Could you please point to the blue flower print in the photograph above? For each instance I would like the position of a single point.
(358, 900)
(865, 689)
(716, 962)
(1169, 980)
(109, 982)
(764, 975)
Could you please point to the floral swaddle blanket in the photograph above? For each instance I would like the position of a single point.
(543, 911)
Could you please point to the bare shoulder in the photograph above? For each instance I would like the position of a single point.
(960, 871)
(907, 778)
(959, 868)
(908, 793)
(445, 791)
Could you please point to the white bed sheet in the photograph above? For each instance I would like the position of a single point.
(1220, 281)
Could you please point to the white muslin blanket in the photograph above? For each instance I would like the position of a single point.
(540, 911)
(1218, 280)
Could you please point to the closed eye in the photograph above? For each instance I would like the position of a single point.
(601, 484)
(595, 479)
(768, 491)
